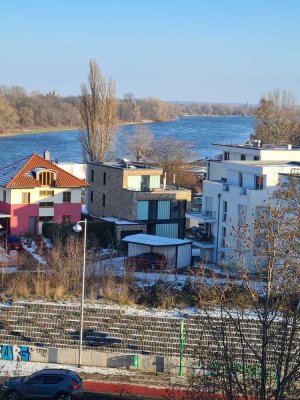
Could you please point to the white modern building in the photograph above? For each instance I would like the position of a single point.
(236, 186)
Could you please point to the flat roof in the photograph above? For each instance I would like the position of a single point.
(266, 163)
(280, 147)
(118, 221)
(125, 165)
(152, 240)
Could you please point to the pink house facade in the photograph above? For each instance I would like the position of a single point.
(34, 191)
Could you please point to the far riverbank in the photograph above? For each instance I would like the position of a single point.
(39, 130)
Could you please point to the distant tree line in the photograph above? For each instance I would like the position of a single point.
(215, 109)
(19, 109)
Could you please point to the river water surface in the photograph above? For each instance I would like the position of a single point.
(200, 131)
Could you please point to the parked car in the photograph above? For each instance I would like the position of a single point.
(14, 243)
(147, 261)
(54, 384)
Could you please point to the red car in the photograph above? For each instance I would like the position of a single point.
(14, 243)
(147, 261)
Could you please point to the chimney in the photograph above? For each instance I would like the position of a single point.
(165, 181)
(289, 147)
(47, 155)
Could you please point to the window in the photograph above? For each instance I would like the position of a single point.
(25, 198)
(226, 156)
(104, 178)
(92, 175)
(46, 219)
(4, 196)
(66, 219)
(163, 209)
(46, 193)
(92, 197)
(240, 183)
(223, 236)
(52, 380)
(178, 208)
(142, 210)
(153, 209)
(224, 211)
(259, 182)
(46, 178)
(243, 157)
(256, 158)
(36, 380)
(103, 200)
(66, 197)
(46, 204)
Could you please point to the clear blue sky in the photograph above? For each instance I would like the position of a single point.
(199, 50)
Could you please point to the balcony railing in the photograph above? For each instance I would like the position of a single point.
(203, 214)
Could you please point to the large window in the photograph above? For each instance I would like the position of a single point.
(104, 178)
(163, 209)
(92, 175)
(25, 197)
(103, 200)
(142, 210)
(243, 157)
(46, 178)
(92, 196)
(67, 197)
(167, 230)
(226, 156)
(224, 232)
(178, 208)
(240, 183)
(4, 196)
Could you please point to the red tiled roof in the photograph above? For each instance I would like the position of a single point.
(22, 178)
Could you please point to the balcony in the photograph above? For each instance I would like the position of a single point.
(201, 216)
(203, 241)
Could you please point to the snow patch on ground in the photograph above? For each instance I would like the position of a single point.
(14, 368)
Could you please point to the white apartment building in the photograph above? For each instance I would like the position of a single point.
(243, 180)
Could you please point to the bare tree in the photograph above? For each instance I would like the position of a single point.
(173, 157)
(7, 115)
(140, 143)
(98, 109)
(253, 346)
(276, 120)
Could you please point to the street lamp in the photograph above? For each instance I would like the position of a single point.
(78, 228)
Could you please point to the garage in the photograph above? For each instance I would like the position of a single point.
(177, 251)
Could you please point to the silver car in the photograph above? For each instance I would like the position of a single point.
(54, 384)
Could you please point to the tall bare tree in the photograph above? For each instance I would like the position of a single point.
(253, 350)
(98, 108)
(140, 143)
(276, 118)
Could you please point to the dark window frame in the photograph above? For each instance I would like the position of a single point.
(67, 197)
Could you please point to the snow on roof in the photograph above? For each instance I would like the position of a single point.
(118, 221)
(152, 240)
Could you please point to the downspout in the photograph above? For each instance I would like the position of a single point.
(218, 226)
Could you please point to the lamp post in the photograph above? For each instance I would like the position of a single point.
(78, 228)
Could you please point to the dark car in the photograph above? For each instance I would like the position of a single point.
(14, 243)
(54, 384)
(147, 261)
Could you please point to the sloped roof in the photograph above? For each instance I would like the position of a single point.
(18, 175)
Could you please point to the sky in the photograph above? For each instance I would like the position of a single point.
(186, 50)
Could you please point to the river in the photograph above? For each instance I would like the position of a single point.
(200, 131)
